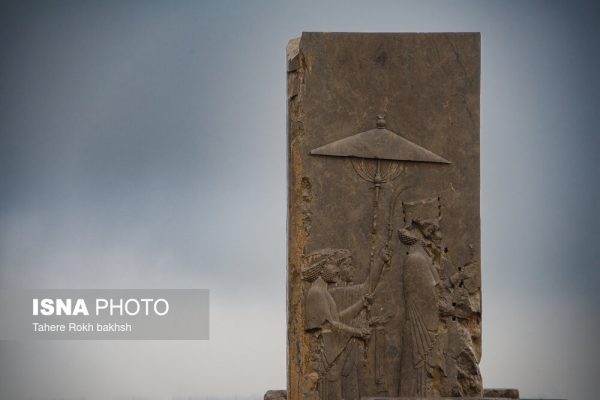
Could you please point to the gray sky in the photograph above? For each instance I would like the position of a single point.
(142, 145)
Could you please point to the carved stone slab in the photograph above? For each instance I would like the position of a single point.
(384, 293)
(503, 393)
(488, 394)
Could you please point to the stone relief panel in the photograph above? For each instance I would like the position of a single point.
(383, 259)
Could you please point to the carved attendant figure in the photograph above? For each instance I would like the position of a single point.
(334, 329)
(422, 357)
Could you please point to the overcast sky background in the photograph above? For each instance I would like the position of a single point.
(143, 145)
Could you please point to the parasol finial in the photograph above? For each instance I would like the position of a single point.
(381, 121)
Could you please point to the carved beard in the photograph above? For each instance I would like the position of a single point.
(345, 280)
(328, 276)
(407, 238)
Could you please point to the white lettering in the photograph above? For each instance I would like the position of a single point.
(83, 327)
(63, 307)
(137, 307)
(47, 307)
(80, 308)
(99, 307)
(35, 307)
(166, 309)
(132, 307)
(44, 327)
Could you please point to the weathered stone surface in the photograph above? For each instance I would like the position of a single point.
(275, 395)
(383, 220)
(488, 394)
(446, 398)
(501, 393)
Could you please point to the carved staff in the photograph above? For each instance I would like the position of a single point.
(377, 176)
(378, 172)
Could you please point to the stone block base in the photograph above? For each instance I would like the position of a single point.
(488, 394)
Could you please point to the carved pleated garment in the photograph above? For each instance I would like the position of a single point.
(422, 317)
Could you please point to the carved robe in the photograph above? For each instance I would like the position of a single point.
(422, 321)
(336, 348)
(346, 296)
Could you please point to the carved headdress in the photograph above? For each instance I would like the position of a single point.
(419, 214)
(424, 210)
(315, 261)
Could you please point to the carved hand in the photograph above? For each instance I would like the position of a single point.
(368, 300)
(379, 320)
(364, 333)
(386, 254)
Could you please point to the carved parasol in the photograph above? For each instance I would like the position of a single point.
(377, 156)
